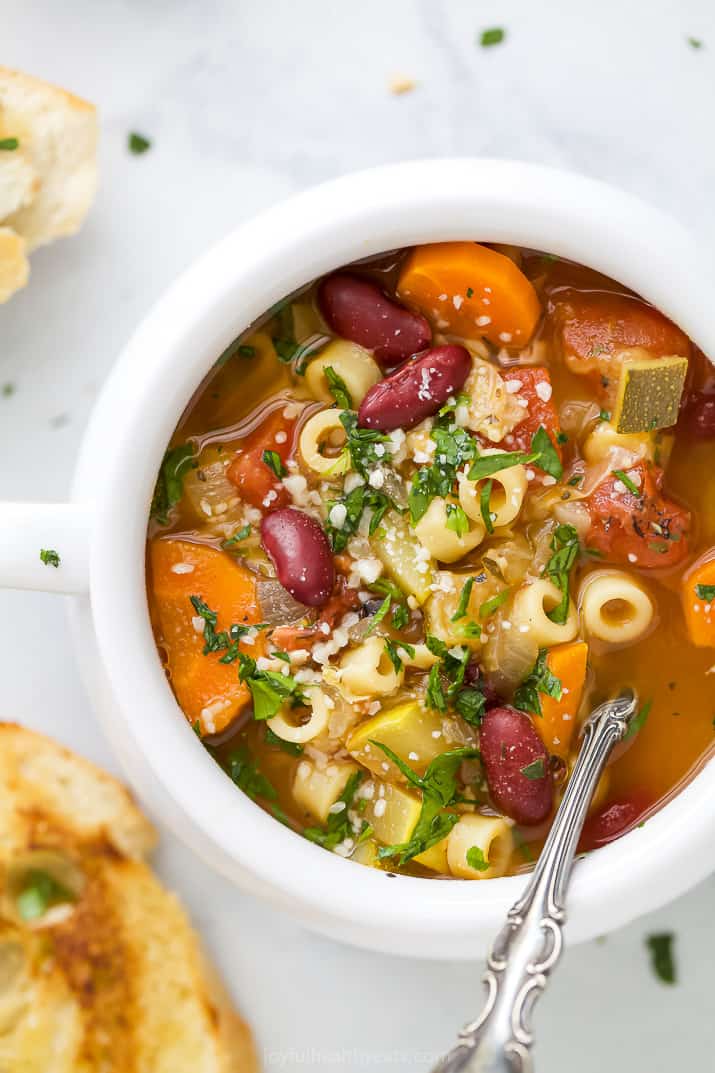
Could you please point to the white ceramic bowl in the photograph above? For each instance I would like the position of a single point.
(101, 535)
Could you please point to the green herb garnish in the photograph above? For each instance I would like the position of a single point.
(705, 592)
(275, 463)
(49, 557)
(638, 721)
(493, 36)
(9, 144)
(170, 482)
(439, 790)
(485, 495)
(245, 351)
(463, 602)
(362, 445)
(356, 502)
(662, 961)
(547, 455)
(242, 534)
(391, 648)
(40, 891)
(457, 521)
(138, 144)
(293, 748)
(565, 549)
(623, 477)
(539, 680)
(476, 859)
(379, 615)
(337, 388)
(490, 606)
(535, 770)
(269, 690)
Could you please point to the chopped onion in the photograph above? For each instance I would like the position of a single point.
(277, 606)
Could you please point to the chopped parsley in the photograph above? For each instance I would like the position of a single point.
(547, 457)
(638, 721)
(494, 36)
(485, 495)
(454, 447)
(379, 615)
(269, 689)
(224, 640)
(337, 388)
(356, 502)
(476, 859)
(695, 42)
(565, 548)
(275, 463)
(9, 144)
(242, 534)
(50, 557)
(365, 446)
(623, 477)
(170, 482)
(468, 701)
(470, 292)
(439, 790)
(604, 415)
(138, 144)
(246, 351)
(293, 748)
(457, 520)
(487, 465)
(662, 960)
(8, 390)
(705, 592)
(535, 770)
(246, 775)
(40, 891)
(339, 826)
(391, 648)
(400, 610)
(539, 680)
(463, 602)
(490, 606)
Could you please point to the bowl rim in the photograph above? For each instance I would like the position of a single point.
(170, 353)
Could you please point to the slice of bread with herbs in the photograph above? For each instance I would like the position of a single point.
(100, 971)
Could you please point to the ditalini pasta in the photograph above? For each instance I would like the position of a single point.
(615, 608)
(416, 522)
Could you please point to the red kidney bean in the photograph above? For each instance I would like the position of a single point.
(300, 552)
(416, 390)
(613, 820)
(510, 747)
(357, 309)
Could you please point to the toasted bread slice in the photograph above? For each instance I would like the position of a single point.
(106, 976)
(49, 181)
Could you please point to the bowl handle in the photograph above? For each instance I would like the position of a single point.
(26, 529)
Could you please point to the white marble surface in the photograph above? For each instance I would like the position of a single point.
(246, 102)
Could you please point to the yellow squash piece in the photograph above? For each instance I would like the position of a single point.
(649, 393)
(403, 559)
(394, 821)
(411, 731)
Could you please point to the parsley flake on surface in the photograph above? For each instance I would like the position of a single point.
(242, 534)
(638, 721)
(8, 390)
(338, 389)
(476, 859)
(662, 960)
(170, 482)
(275, 463)
(539, 680)
(565, 548)
(695, 42)
(623, 477)
(9, 144)
(40, 891)
(463, 602)
(705, 592)
(50, 557)
(535, 770)
(490, 606)
(493, 36)
(138, 143)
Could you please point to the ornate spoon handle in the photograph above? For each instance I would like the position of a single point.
(530, 943)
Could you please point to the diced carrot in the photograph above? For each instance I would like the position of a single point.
(474, 290)
(249, 472)
(207, 690)
(556, 727)
(698, 596)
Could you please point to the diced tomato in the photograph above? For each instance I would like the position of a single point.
(612, 821)
(540, 411)
(593, 327)
(647, 531)
(249, 472)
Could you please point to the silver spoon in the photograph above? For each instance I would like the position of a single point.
(530, 943)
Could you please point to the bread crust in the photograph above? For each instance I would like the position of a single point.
(116, 982)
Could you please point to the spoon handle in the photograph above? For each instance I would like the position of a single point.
(530, 943)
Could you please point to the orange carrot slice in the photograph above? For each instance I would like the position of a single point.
(472, 290)
(558, 722)
(698, 596)
(208, 691)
